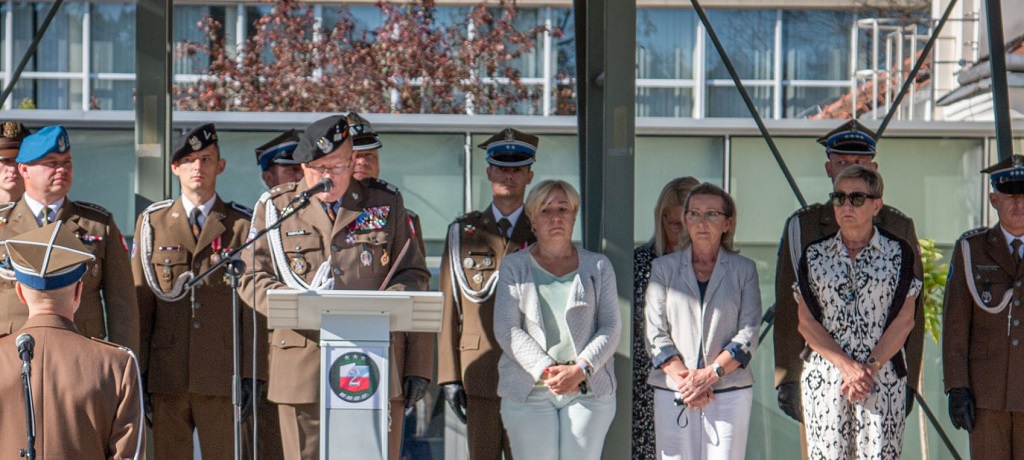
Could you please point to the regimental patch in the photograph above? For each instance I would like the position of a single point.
(373, 218)
(354, 377)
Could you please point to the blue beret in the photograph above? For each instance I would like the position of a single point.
(51, 139)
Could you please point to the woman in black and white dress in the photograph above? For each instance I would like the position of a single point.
(856, 291)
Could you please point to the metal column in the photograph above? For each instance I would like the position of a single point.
(606, 111)
(153, 76)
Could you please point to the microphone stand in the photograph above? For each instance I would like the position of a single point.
(234, 268)
(30, 411)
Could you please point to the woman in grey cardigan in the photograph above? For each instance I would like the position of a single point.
(703, 309)
(556, 318)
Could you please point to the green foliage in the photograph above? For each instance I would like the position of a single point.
(934, 287)
(27, 103)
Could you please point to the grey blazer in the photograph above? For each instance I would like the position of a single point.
(592, 314)
(676, 320)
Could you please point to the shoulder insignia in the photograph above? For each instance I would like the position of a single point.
(104, 342)
(94, 207)
(469, 216)
(412, 214)
(972, 233)
(158, 206)
(380, 184)
(813, 207)
(895, 212)
(241, 208)
(283, 188)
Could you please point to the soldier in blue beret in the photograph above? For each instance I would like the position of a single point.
(276, 162)
(108, 309)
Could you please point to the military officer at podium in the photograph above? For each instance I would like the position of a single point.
(475, 246)
(982, 335)
(354, 236)
(86, 392)
(849, 144)
(44, 161)
(11, 184)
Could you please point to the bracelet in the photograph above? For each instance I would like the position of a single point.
(587, 370)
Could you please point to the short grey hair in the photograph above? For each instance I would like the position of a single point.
(869, 176)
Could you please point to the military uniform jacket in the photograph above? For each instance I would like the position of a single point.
(186, 345)
(982, 335)
(811, 224)
(364, 243)
(109, 273)
(87, 395)
(467, 350)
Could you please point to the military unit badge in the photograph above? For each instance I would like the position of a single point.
(299, 265)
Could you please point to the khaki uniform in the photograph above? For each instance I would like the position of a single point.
(983, 340)
(109, 273)
(467, 350)
(810, 224)
(186, 345)
(307, 240)
(87, 395)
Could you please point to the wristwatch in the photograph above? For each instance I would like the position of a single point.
(873, 361)
(719, 370)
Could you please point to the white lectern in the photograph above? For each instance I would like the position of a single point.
(355, 338)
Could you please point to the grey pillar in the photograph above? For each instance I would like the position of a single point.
(153, 77)
(606, 62)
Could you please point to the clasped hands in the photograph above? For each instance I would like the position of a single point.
(858, 380)
(695, 386)
(563, 379)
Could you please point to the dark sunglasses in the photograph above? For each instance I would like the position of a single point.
(856, 198)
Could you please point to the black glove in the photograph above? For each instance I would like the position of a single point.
(456, 397)
(249, 388)
(789, 401)
(961, 408)
(910, 401)
(414, 388)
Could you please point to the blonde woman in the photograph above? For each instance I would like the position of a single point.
(556, 318)
(668, 224)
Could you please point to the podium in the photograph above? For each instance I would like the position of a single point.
(355, 341)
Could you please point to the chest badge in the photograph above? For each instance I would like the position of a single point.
(384, 258)
(487, 262)
(365, 258)
(299, 265)
(478, 278)
(166, 274)
(470, 230)
(468, 263)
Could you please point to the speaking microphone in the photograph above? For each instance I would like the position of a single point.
(26, 345)
(323, 185)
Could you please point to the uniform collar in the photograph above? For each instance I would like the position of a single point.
(1009, 237)
(513, 218)
(50, 320)
(204, 208)
(36, 206)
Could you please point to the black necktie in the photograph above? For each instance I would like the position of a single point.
(1015, 244)
(503, 225)
(196, 228)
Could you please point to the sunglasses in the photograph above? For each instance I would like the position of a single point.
(710, 216)
(856, 198)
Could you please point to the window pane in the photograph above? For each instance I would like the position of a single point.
(188, 21)
(61, 47)
(664, 102)
(804, 102)
(113, 37)
(48, 94)
(816, 53)
(665, 41)
(113, 94)
(105, 172)
(564, 55)
(661, 159)
(746, 36)
(725, 101)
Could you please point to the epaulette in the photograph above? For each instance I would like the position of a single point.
(412, 214)
(157, 206)
(971, 233)
(895, 212)
(94, 207)
(112, 344)
(809, 208)
(472, 215)
(241, 208)
(380, 184)
(283, 188)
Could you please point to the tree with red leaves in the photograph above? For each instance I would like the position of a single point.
(409, 64)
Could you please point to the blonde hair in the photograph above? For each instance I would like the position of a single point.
(673, 195)
(540, 196)
(728, 208)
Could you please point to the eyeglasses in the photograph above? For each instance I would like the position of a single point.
(856, 198)
(338, 169)
(710, 216)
